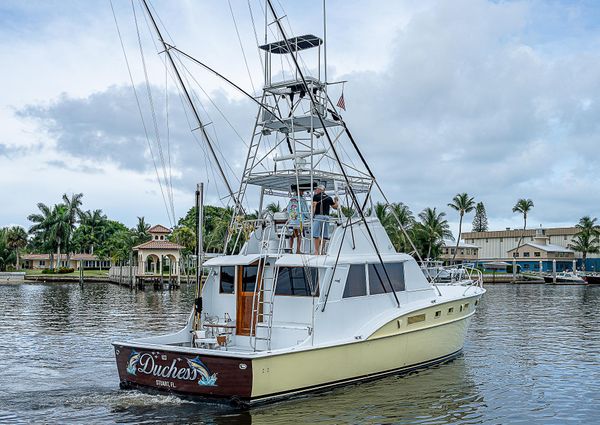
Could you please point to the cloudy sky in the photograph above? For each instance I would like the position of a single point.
(495, 98)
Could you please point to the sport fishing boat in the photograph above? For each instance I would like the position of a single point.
(268, 323)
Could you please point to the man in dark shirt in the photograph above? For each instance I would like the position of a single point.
(322, 203)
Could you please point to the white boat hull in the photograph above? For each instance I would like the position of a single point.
(247, 378)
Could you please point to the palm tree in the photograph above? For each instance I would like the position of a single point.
(61, 228)
(523, 206)
(273, 207)
(92, 221)
(587, 240)
(41, 228)
(16, 239)
(73, 211)
(140, 231)
(5, 252)
(464, 204)
(400, 217)
(433, 229)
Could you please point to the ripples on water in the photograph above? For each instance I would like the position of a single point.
(532, 356)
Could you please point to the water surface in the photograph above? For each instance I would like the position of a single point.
(532, 356)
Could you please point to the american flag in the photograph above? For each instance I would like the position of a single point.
(341, 103)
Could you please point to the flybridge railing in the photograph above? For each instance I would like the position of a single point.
(283, 230)
(453, 275)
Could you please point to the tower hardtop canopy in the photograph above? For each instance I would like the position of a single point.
(296, 44)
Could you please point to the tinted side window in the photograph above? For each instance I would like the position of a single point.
(227, 280)
(356, 284)
(249, 274)
(294, 281)
(377, 275)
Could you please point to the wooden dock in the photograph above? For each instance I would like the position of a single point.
(129, 276)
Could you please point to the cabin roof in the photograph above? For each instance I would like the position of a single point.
(232, 260)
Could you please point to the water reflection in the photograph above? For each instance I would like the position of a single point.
(532, 355)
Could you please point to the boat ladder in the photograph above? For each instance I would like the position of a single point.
(264, 293)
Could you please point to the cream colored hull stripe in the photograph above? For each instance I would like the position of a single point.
(296, 370)
(364, 378)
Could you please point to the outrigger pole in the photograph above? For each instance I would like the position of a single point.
(201, 126)
(331, 144)
(199, 252)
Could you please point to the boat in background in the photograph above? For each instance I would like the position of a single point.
(592, 279)
(565, 278)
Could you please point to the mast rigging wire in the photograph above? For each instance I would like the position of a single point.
(189, 99)
(241, 46)
(260, 58)
(137, 100)
(153, 113)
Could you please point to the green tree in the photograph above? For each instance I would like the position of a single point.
(16, 239)
(140, 231)
(87, 235)
(273, 207)
(119, 245)
(390, 215)
(185, 237)
(431, 231)
(73, 212)
(463, 203)
(587, 239)
(41, 229)
(523, 206)
(480, 221)
(6, 254)
(399, 212)
(60, 228)
(116, 241)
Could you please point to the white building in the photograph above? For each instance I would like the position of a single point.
(500, 246)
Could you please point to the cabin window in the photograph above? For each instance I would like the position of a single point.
(416, 319)
(297, 281)
(451, 310)
(378, 282)
(356, 284)
(227, 280)
(438, 314)
(249, 275)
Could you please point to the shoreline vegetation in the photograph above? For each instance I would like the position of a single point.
(67, 228)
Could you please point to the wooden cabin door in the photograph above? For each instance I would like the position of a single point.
(248, 276)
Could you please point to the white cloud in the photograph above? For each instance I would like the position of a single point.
(444, 97)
